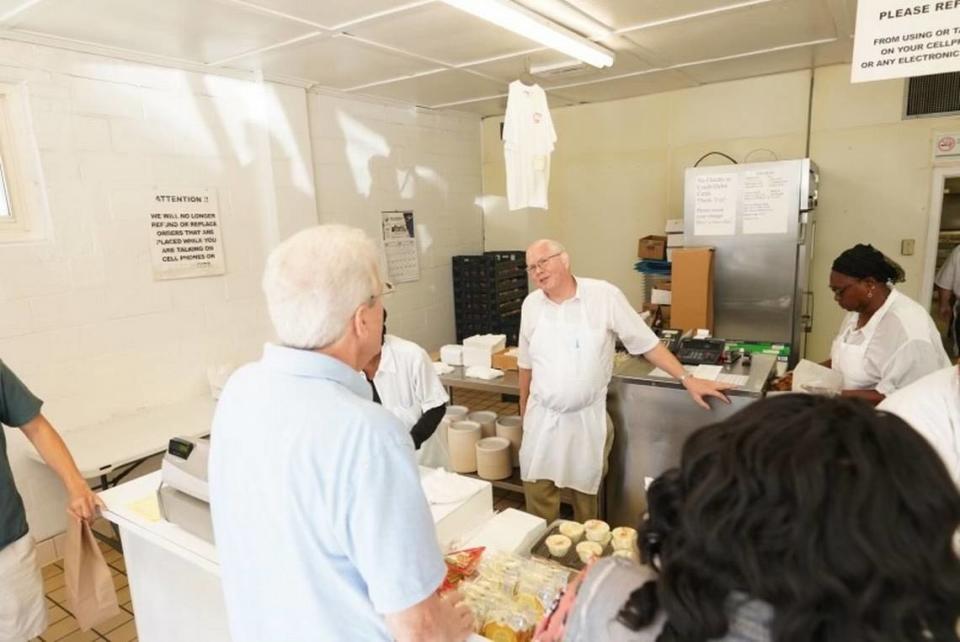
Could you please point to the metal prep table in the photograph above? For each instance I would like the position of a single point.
(652, 418)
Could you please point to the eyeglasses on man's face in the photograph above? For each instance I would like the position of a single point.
(542, 263)
(385, 289)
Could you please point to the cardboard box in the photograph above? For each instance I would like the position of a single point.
(676, 240)
(505, 359)
(692, 284)
(652, 247)
(673, 225)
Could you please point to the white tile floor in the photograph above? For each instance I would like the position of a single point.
(62, 627)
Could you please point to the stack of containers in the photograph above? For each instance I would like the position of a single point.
(488, 291)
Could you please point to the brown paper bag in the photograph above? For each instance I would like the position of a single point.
(91, 596)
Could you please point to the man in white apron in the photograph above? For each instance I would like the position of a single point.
(405, 383)
(568, 331)
(23, 612)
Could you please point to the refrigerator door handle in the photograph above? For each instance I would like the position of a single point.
(807, 316)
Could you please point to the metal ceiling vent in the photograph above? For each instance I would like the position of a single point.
(934, 95)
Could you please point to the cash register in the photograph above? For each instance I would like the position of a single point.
(184, 494)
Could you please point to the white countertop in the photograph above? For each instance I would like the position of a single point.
(119, 501)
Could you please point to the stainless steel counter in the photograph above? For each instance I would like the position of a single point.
(652, 418)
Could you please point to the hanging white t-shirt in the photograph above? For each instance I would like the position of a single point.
(528, 141)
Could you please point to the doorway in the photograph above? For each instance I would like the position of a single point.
(943, 240)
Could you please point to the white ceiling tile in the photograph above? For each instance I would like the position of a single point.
(339, 62)
(638, 85)
(833, 53)
(441, 32)
(623, 14)
(329, 13)
(752, 28)
(197, 30)
(498, 106)
(510, 68)
(438, 89)
(489, 107)
(749, 66)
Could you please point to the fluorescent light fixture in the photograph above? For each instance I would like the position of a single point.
(528, 24)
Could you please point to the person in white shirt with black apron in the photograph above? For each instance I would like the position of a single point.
(568, 330)
(887, 340)
(405, 383)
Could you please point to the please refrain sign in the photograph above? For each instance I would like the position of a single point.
(903, 38)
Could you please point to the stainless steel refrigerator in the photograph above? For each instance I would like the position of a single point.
(760, 219)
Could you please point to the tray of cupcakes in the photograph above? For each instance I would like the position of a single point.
(573, 544)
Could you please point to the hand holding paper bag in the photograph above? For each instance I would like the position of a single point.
(90, 592)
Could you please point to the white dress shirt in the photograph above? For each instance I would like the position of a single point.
(406, 381)
(897, 346)
(932, 406)
(948, 277)
(569, 348)
(409, 386)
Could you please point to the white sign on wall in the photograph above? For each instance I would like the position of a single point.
(400, 246)
(715, 204)
(902, 38)
(185, 233)
(766, 200)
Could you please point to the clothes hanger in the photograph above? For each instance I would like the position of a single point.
(525, 76)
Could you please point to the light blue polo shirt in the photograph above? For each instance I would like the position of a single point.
(320, 521)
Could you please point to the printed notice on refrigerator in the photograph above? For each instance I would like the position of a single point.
(715, 205)
(185, 233)
(902, 38)
(766, 201)
(400, 246)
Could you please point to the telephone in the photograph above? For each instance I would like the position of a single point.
(697, 351)
(671, 339)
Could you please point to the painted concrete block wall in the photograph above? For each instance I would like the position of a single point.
(84, 323)
(371, 157)
(617, 172)
(876, 178)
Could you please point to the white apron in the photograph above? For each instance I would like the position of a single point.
(565, 425)
(850, 360)
(433, 452)
(23, 612)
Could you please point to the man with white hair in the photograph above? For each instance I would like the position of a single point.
(568, 329)
(322, 529)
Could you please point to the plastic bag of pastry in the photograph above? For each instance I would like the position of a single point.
(460, 565)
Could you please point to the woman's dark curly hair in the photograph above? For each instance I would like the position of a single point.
(839, 516)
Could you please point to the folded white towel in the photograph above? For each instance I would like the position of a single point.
(479, 372)
(442, 487)
(441, 368)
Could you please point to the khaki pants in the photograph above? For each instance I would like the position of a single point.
(542, 497)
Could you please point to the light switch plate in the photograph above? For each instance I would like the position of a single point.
(907, 247)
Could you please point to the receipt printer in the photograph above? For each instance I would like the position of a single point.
(184, 494)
